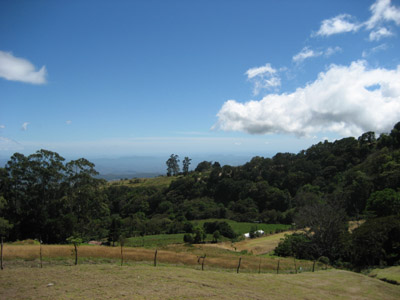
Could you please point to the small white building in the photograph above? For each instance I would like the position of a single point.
(258, 232)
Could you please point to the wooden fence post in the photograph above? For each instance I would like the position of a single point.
(121, 242)
(259, 267)
(155, 258)
(1, 253)
(277, 269)
(313, 266)
(40, 253)
(202, 262)
(238, 267)
(76, 253)
(295, 267)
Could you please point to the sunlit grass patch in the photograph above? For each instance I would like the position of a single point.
(391, 274)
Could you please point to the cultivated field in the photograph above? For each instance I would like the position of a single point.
(141, 281)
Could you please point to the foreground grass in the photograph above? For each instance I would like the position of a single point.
(391, 274)
(140, 281)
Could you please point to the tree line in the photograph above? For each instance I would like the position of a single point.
(43, 196)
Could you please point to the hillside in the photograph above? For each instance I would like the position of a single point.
(141, 281)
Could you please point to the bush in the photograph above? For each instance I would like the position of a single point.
(188, 238)
(376, 242)
(223, 228)
(297, 245)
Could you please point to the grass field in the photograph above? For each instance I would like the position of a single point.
(391, 274)
(261, 245)
(141, 281)
(183, 255)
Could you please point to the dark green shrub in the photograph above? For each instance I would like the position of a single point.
(376, 242)
(297, 245)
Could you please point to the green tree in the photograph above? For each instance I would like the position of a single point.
(172, 165)
(384, 203)
(5, 225)
(186, 163)
(216, 236)
(376, 242)
(324, 225)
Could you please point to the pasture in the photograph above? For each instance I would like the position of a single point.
(141, 281)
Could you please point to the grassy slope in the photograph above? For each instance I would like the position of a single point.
(140, 281)
(261, 245)
(391, 273)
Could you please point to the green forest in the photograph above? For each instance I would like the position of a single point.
(319, 189)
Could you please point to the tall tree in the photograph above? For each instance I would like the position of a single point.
(186, 163)
(172, 165)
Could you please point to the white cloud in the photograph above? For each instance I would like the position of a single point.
(382, 32)
(373, 50)
(305, 53)
(20, 69)
(264, 77)
(258, 71)
(332, 50)
(68, 122)
(24, 126)
(339, 24)
(338, 101)
(382, 11)
(2, 126)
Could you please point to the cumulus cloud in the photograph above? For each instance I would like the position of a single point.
(383, 11)
(24, 126)
(376, 35)
(20, 69)
(338, 101)
(264, 77)
(339, 24)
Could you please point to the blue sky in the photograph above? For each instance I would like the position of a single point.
(116, 78)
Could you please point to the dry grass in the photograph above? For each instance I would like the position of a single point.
(141, 281)
(177, 255)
